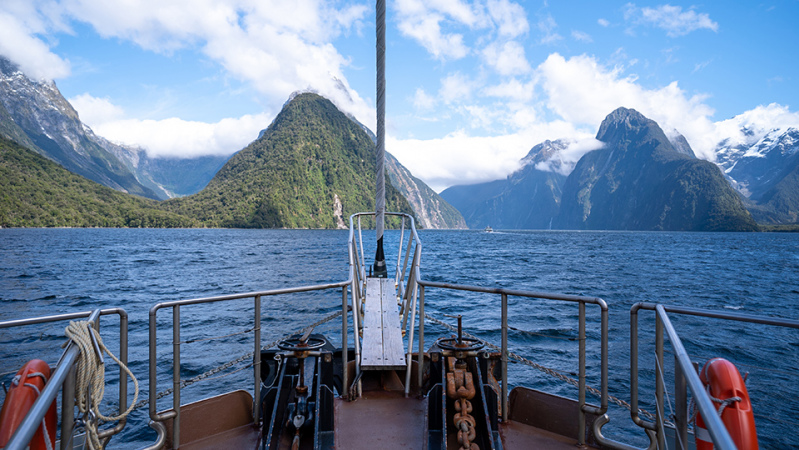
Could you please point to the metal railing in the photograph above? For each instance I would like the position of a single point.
(685, 375)
(405, 283)
(411, 288)
(581, 302)
(64, 376)
(174, 414)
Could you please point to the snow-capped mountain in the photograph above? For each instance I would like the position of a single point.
(755, 168)
(762, 164)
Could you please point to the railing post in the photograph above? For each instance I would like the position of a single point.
(344, 336)
(420, 356)
(176, 375)
(256, 410)
(680, 405)
(658, 381)
(504, 357)
(68, 409)
(581, 387)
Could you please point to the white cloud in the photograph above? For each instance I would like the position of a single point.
(278, 47)
(456, 88)
(672, 19)
(507, 58)
(510, 18)
(426, 30)
(18, 43)
(583, 92)
(423, 101)
(512, 89)
(422, 22)
(603, 22)
(566, 159)
(547, 27)
(581, 36)
(180, 138)
(461, 158)
(95, 111)
(757, 121)
(171, 137)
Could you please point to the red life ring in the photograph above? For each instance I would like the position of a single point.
(25, 389)
(723, 382)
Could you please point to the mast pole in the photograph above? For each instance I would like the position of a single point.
(380, 270)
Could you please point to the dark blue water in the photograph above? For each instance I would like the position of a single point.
(63, 270)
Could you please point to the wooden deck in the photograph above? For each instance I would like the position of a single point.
(382, 335)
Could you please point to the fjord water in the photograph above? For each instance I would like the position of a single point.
(49, 271)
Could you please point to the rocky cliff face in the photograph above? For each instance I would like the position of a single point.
(52, 128)
(430, 209)
(639, 181)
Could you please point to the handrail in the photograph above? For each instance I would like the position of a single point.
(64, 376)
(407, 292)
(684, 370)
(176, 305)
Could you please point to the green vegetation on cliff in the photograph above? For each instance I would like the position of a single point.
(36, 192)
(312, 168)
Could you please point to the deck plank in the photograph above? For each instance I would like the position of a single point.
(382, 336)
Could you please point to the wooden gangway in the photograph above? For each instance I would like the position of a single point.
(382, 334)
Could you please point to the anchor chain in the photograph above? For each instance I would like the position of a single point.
(460, 389)
(547, 370)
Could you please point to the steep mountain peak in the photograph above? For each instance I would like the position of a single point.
(544, 151)
(622, 118)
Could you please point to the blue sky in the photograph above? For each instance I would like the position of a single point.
(471, 85)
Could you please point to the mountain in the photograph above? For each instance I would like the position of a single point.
(763, 168)
(430, 209)
(639, 181)
(168, 177)
(37, 192)
(312, 168)
(35, 114)
(527, 199)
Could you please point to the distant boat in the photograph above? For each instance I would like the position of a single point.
(489, 229)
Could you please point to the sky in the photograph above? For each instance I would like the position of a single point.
(471, 85)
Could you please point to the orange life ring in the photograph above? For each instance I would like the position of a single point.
(726, 387)
(25, 389)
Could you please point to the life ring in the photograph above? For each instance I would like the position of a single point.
(25, 389)
(726, 388)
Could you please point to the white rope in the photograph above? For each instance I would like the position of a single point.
(90, 378)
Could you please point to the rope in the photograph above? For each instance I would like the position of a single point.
(380, 82)
(15, 381)
(552, 372)
(90, 384)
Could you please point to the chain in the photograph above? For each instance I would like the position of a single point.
(216, 370)
(460, 389)
(546, 370)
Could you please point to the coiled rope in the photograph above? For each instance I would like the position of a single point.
(90, 378)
